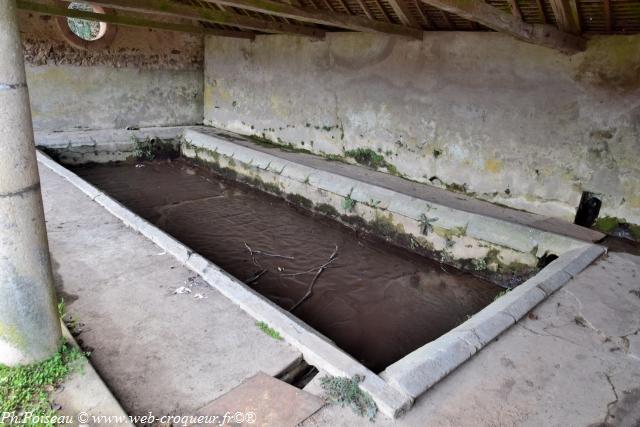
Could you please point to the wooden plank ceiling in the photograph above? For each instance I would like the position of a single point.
(558, 24)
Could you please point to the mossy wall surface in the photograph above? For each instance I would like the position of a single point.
(480, 113)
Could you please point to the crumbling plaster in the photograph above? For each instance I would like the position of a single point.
(143, 78)
(509, 122)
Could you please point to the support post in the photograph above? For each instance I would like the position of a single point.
(29, 324)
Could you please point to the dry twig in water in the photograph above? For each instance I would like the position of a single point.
(255, 277)
(311, 270)
(263, 253)
(315, 279)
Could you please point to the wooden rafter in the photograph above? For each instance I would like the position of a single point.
(356, 23)
(608, 18)
(567, 17)
(447, 21)
(543, 15)
(163, 7)
(345, 6)
(365, 9)
(489, 16)
(515, 9)
(382, 11)
(424, 15)
(401, 9)
(328, 5)
(128, 21)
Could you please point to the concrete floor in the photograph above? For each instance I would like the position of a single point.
(574, 361)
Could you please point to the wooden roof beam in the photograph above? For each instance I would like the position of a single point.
(349, 22)
(543, 16)
(365, 9)
(489, 16)
(128, 21)
(608, 17)
(165, 8)
(423, 14)
(567, 17)
(515, 9)
(401, 9)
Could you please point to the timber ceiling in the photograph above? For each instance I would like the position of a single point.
(595, 16)
(558, 24)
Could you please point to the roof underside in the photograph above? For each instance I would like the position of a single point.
(595, 16)
(558, 24)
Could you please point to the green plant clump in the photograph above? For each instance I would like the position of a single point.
(150, 148)
(327, 209)
(367, 157)
(608, 224)
(346, 392)
(269, 330)
(62, 308)
(501, 294)
(25, 389)
(348, 203)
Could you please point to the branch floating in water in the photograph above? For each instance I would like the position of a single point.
(333, 256)
(254, 252)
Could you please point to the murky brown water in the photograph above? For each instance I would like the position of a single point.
(376, 302)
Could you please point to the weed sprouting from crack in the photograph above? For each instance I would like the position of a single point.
(348, 203)
(347, 392)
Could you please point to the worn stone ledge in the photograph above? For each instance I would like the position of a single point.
(514, 242)
(317, 349)
(100, 146)
(417, 372)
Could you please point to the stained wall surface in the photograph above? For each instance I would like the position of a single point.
(142, 78)
(482, 113)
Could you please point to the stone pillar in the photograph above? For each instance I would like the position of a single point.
(29, 324)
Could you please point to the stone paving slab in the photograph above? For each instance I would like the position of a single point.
(158, 352)
(265, 401)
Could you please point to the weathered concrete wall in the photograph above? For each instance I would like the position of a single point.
(142, 78)
(477, 112)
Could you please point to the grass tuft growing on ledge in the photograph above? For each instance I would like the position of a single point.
(608, 224)
(25, 389)
(347, 392)
(368, 157)
(269, 330)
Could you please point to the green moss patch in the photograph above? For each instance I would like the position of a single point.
(299, 200)
(608, 224)
(368, 157)
(327, 209)
(25, 389)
